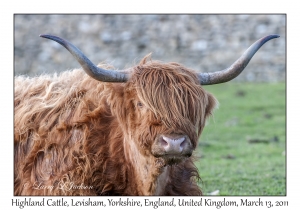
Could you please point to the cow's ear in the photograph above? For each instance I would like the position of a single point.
(117, 101)
(212, 103)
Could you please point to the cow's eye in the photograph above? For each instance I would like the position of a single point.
(139, 104)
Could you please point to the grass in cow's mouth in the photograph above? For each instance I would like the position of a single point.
(258, 168)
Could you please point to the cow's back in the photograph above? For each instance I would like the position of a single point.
(51, 131)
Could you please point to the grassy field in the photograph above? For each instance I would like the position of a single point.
(242, 148)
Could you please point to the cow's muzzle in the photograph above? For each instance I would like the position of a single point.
(172, 147)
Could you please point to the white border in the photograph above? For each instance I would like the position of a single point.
(154, 6)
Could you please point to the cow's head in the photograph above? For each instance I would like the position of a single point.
(168, 108)
(164, 107)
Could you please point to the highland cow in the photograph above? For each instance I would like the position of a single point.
(113, 132)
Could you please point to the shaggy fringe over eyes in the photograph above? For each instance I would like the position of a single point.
(173, 94)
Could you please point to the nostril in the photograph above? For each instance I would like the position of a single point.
(183, 144)
(163, 142)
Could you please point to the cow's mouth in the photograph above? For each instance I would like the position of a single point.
(165, 160)
(172, 160)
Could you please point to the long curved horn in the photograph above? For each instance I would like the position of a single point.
(237, 67)
(91, 69)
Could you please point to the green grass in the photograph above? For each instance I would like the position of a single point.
(242, 147)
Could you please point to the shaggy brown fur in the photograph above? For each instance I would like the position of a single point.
(78, 136)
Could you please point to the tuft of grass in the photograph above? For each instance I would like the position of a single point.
(242, 148)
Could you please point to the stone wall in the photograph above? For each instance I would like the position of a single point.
(201, 42)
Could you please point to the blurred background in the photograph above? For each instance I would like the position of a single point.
(201, 42)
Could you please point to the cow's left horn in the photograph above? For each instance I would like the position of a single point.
(91, 69)
(237, 67)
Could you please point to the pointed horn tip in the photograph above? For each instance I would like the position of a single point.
(268, 38)
(275, 35)
(55, 38)
(272, 36)
(48, 36)
(43, 35)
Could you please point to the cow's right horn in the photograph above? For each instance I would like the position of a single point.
(91, 69)
(236, 68)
